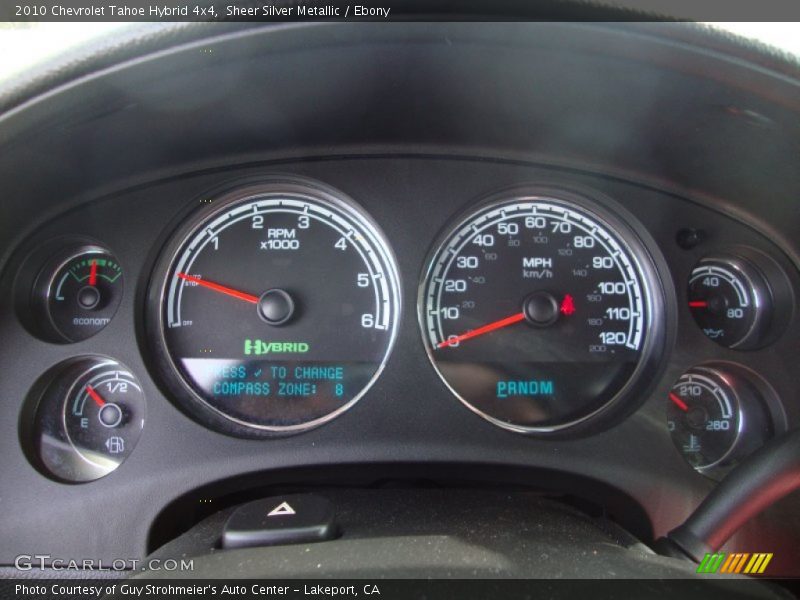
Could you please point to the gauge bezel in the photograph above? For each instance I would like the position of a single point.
(761, 414)
(769, 280)
(637, 243)
(724, 381)
(215, 203)
(43, 289)
(44, 431)
(758, 292)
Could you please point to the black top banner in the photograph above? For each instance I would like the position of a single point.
(277, 11)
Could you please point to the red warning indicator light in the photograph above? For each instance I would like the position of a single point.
(567, 305)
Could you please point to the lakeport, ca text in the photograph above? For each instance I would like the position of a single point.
(143, 590)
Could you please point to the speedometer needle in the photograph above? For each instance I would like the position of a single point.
(482, 330)
(219, 288)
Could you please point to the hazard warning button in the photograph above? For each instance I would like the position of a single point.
(293, 519)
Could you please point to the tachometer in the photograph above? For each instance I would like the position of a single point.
(540, 310)
(275, 309)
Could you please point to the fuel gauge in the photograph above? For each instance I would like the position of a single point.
(89, 418)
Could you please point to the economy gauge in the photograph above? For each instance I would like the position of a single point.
(77, 293)
(277, 308)
(540, 310)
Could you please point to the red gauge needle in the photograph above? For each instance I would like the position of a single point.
(95, 396)
(219, 288)
(482, 330)
(93, 274)
(678, 402)
(698, 304)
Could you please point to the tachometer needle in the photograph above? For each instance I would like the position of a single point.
(219, 288)
(678, 402)
(95, 396)
(482, 330)
(698, 304)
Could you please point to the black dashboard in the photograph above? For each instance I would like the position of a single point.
(543, 256)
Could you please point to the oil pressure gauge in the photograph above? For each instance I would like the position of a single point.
(741, 298)
(89, 418)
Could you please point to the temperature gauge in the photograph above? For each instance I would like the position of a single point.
(89, 419)
(716, 416)
(78, 293)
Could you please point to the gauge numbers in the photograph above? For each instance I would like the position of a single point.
(718, 414)
(279, 309)
(536, 311)
(730, 301)
(89, 418)
(703, 417)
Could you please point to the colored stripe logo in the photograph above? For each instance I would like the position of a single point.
(735, 562)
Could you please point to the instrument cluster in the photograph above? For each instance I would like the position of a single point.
(273, 306)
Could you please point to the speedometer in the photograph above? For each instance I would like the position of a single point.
(540, 310)
(274, 308)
